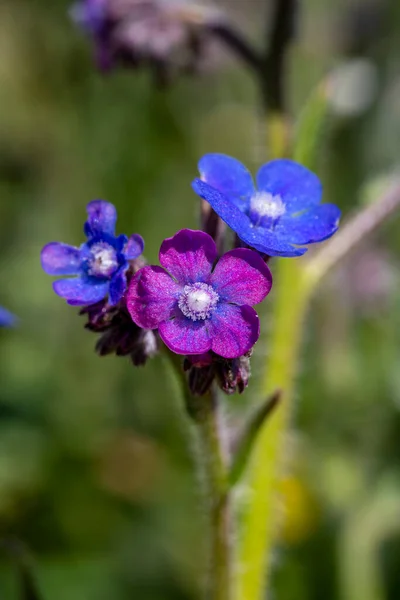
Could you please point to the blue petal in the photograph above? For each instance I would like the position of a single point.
(60, 259)
(120, 242)
(259, 238)
(314, 225)
(134, 247)
(268, 242)
(298, 187)
(229, 176)
(102, 218)
(118, 286)
(89, 14)
(7, 319)
(223, 206)
(80, 291)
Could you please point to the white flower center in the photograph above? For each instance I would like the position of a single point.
(265, 204)
(197, 301)
(103, 261)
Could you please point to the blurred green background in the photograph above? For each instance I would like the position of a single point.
(96, 476)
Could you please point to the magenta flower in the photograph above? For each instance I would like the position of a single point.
(196, 307)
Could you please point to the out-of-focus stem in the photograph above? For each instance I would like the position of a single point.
(261, 521)
(366, 528)
(352, 233)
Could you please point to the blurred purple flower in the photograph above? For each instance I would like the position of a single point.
(162, 33)
(284, 211)
(196, 307)
(100, 263)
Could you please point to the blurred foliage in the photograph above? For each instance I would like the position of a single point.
(95, 471)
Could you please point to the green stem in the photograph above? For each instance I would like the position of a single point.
(205, 413)
(260, 525)
(215, 464)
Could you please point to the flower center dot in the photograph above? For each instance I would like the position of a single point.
(264, 204)
(103, 261)
(197, 301)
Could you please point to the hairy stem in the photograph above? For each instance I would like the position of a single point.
(214, 456)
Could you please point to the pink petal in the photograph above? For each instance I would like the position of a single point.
(188, 255)
(151, 296)
(242, 277)
(184, 336)
(234, 330)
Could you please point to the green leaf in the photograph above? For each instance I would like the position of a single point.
(248, 436)
(313, 126)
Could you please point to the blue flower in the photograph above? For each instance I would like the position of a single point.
(284, 211)
(7, 319)
(100, 263)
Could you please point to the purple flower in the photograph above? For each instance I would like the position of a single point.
(7, 319)
(163, 34)
(284, 211)
(100, 263)
(196, 307)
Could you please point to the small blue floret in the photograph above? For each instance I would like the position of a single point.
(7, 319)
(280, 214)
(100, 263)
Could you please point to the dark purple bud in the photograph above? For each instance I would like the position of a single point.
(120, 335)
(233, 375)
(200, 379)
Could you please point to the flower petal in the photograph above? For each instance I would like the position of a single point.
(188, 255)
(223, 206)
(184, 336)
(151, 297)
(314, 225)
(229, 176)
(260, 238)
(119, 242)
(134, 247)
(80, 291)
(7, 319)
(89, 14)
(233, 330)
(102, 217)
(298, 187)
(117, 286)
(269, 243)
(242, 277)
(60, 259)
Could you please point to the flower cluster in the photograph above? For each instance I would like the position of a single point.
(199, 302)
(100, 264)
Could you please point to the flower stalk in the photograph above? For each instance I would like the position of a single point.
(260, 526)
(213, 462)
(215, 465)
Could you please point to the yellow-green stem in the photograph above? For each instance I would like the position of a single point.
(260, 524)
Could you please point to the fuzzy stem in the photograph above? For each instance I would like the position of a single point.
(213, 462)
(214, 456)
(261, 517)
